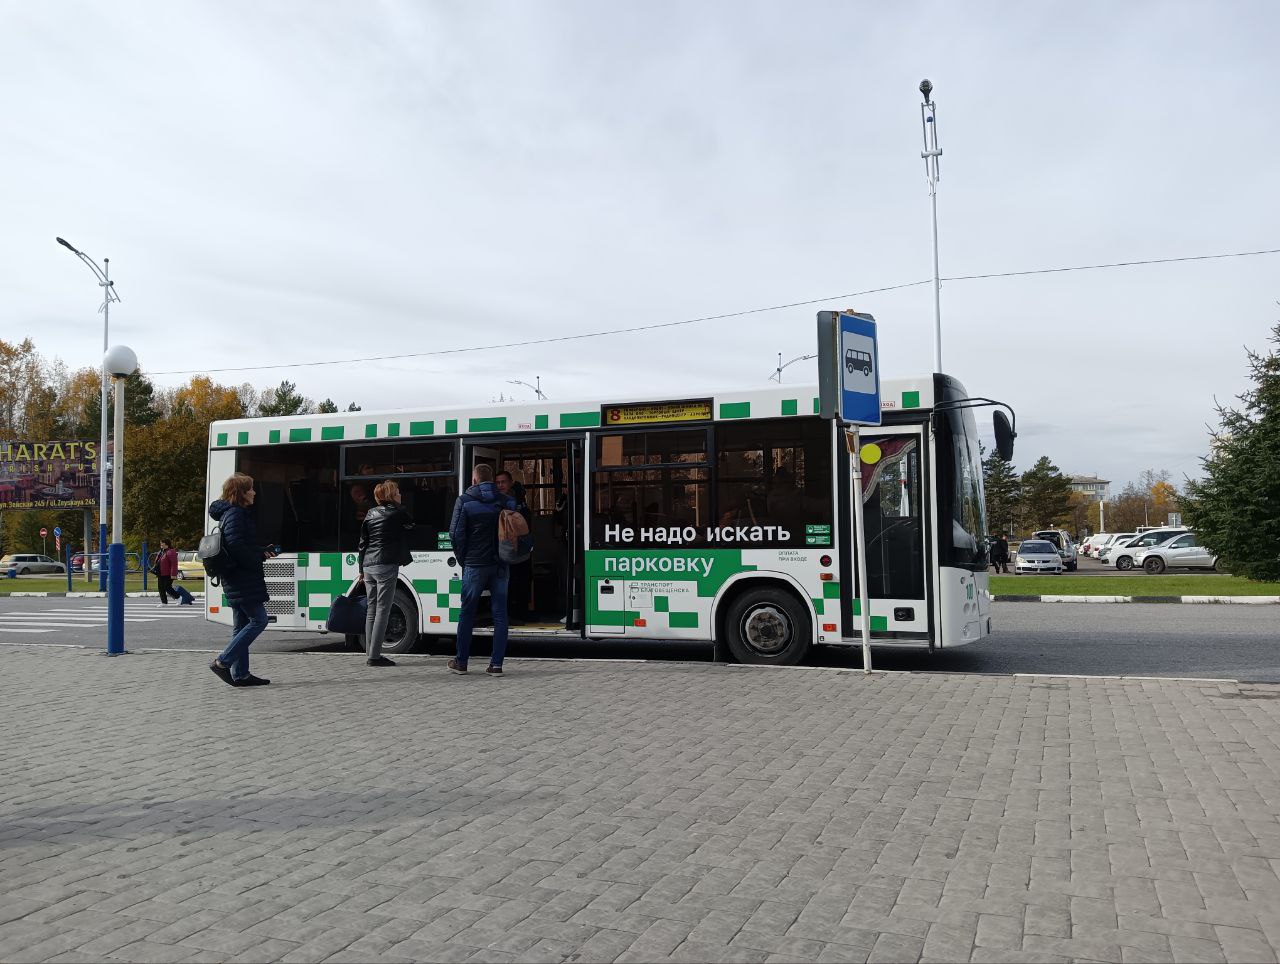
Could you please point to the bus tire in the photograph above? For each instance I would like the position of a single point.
(768, 627)
(402, 624)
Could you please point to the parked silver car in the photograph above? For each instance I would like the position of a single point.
(1122, 556)
(1184, 552)
(27, 563)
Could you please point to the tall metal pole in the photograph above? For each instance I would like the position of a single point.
(102, 438)
(108, 295)
(117, 467)
(931, 153)
(854, 441)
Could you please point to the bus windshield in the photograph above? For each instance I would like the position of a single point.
(962, 509)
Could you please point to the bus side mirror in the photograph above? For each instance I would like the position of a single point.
(1004, 435)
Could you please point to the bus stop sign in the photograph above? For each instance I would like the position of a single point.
(848, 367)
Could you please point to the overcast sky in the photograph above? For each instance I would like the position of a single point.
(294, 182)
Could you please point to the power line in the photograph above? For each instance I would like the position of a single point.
(1114, 264)
(704, 318)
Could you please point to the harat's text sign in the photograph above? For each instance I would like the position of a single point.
(60, 474)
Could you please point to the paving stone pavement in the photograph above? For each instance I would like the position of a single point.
(579, 811)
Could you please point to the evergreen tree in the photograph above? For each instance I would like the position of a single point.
(353, 407)
(1000, 484)
(327, 407)
(1046, 495)
(1235, 509)
(283, 400)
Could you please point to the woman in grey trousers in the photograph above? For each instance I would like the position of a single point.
(384, 548)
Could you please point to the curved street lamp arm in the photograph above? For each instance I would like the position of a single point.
(103, 280)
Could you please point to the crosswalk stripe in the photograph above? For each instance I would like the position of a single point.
(25, 629)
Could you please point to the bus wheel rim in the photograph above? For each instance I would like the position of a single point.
(397, 624)
(766, 630)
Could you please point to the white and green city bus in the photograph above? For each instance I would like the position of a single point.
(723, 518)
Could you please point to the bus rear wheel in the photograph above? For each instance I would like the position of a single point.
(402, 627)
(767, 626)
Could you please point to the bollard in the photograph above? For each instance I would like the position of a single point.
(115, 601)
(146, 566)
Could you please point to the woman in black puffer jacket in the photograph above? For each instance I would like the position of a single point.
(244, 588)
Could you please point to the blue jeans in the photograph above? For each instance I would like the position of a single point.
(475, 580)
(249, 623)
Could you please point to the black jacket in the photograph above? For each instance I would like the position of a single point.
(384, 537)
(244, 584)
(473, 532)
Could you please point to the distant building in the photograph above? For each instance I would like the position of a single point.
(1092, 488)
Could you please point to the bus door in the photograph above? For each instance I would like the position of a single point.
(550, 469)
(897, 519)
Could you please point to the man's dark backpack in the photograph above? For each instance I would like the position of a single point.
(214, 556)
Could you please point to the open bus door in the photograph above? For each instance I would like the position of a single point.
(897, 516)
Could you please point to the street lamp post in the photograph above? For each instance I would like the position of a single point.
(777, 372)
(537, 389)
(109, 295)
(931, 153)
(119, 362)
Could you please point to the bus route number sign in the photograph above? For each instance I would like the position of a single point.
(648, 413)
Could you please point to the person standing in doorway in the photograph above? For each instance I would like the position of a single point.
(384, 548)
(473, 533)
(521, 579)
(244, 587)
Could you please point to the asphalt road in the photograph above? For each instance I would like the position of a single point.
(1096, 639)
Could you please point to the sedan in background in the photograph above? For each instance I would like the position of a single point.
(1037, 555)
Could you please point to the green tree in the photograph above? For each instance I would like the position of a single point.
(327, 407)
(139, 405)
(1235, 508)
(1046, 495)
(353, 407)
(165, 463)
(283, 400)
(1000, 484)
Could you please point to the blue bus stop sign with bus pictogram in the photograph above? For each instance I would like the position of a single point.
(859, 369)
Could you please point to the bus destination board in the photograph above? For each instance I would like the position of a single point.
(649, 413)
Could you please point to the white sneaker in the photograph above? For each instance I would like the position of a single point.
(162, 605)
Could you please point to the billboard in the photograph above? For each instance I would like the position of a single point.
(58, 474)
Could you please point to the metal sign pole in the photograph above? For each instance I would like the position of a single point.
(853, 440)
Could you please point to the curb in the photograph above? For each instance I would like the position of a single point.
(86, 595)
(1243, 600)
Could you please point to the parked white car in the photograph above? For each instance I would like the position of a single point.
(1182, 552)
(1122, 556)
(1037, 555)
(1117, 539)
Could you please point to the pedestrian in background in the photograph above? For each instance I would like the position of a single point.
(166, 570)
(244, 587)
(1000, 554)
(473, 533)
(384, 548)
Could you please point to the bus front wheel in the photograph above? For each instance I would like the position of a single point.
(767, 626)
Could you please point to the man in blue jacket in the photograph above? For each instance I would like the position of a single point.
(473, 532)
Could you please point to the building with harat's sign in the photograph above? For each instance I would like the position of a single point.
(58, 474)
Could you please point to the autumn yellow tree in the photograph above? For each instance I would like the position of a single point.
(165, 462)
